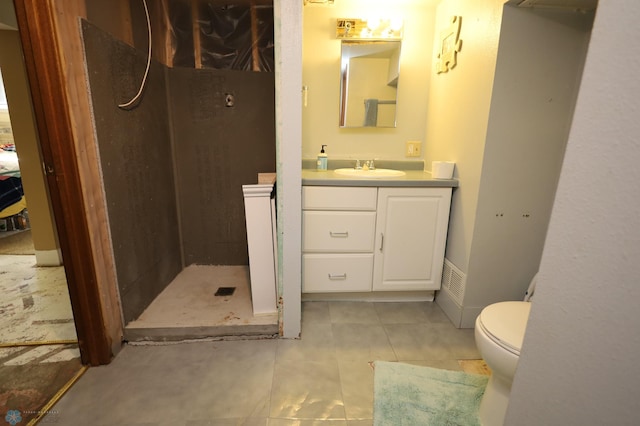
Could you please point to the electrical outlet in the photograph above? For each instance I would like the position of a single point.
(413, 149)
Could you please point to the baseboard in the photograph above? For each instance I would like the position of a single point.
(48, 257)
(450, 307)
(379, 296)
(469, 316)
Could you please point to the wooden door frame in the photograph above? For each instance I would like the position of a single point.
(46, 76)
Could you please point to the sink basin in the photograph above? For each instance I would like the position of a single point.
(370, 174)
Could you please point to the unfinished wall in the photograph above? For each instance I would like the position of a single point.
(217, 150)
(137, 170)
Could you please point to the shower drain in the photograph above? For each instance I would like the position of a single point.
(225, 291)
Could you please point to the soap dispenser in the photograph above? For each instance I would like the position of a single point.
(322, 159)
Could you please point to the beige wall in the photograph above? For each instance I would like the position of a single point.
(321, 74)
(459, 103)
(503, 115)
(45, 238)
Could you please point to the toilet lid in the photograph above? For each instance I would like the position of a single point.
(505, 323)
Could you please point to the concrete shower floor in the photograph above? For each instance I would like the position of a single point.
(188, 309)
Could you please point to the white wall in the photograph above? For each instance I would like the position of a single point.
(540, 60)
(578, 364)
(321, 74)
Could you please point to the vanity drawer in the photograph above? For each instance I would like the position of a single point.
(326, 231)
(339, 198)
(336, 272)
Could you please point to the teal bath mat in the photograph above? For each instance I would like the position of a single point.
(412, 395)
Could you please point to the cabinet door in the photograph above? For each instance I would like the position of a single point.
(411, 233)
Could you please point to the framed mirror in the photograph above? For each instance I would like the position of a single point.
(369, 72)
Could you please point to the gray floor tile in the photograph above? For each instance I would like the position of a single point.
(237, 383)
(356, 378)
(353, 313)
(316, 343)
(315, 313)
(142, 397)
(418, 342)
(362, 342)
(461, 341)
(307, 390)
(401, 312)
(435, 314)
(324, 378)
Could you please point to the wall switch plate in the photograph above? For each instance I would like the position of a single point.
(413, 149)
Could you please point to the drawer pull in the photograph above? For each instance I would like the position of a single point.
(344, 234)
(338, 276)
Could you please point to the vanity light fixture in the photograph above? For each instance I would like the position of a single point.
(369, 29)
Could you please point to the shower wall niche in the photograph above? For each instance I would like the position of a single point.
(173, 167)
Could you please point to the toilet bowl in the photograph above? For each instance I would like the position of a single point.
(499, 332)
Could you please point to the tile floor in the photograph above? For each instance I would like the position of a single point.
(323, 378)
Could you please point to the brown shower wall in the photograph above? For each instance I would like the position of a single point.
(218, 148)
(137, 168)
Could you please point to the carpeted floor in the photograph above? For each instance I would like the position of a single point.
(16, 243)
(31, 376)
(34, 309)
(407, 394)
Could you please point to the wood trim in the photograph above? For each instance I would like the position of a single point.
(255, 55)
(46, 74)
(195, 20)
(161, 34)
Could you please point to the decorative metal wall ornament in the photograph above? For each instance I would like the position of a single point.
(450, 46)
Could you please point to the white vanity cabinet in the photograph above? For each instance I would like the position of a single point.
(364, 239)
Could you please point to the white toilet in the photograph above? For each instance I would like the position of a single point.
(499, 332)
